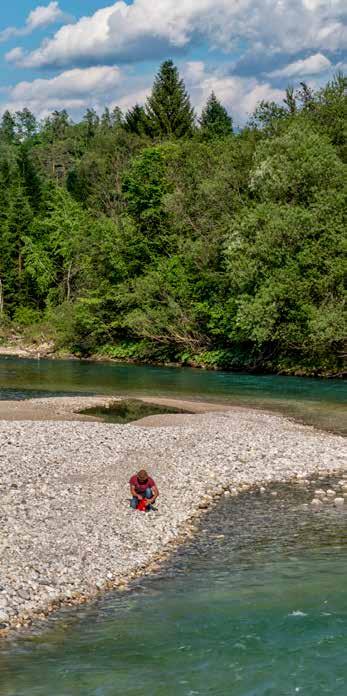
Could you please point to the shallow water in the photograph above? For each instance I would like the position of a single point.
(256, 605)
(320, 402)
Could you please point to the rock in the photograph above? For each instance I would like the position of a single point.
(4, 617)
(330, 493)
(316, 503)
(338, 502)
(68, 526)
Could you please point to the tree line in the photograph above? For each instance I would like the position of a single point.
(154, 235)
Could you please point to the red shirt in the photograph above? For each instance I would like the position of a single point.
(140, 487)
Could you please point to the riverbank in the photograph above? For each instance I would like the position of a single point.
(67, 530)
(47, 350)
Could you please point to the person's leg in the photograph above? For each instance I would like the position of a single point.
(149, 495)
(133, 502)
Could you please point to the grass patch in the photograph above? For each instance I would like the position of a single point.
(129, 410)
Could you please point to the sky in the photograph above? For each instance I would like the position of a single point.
(75, 54)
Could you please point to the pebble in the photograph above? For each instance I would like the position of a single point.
(67, 530)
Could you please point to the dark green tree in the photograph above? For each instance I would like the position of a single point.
(136, 120)
(26, 124)
(117, 118)
(168, 109)
(106, 121)
(8, 127)
(215, 121)
(91, 123)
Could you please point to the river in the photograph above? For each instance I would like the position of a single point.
(319, 402)
(255, 605)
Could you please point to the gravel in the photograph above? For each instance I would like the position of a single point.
(67, 531)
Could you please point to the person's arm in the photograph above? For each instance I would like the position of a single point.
(155, 494)
(133, 492)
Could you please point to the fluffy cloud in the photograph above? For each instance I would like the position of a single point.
(41, 16)
(147, 29)
(310, 66)
(73, 89)
(239, 95)
(77, 89)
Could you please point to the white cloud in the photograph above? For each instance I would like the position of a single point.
(78, 89)
(74, 89)
(239, 95)
(14, 55)
(40, 17)
(309, 66)
(148, 29)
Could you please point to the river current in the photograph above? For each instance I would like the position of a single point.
(255, 605)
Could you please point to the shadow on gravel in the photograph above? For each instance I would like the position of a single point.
(128, 410)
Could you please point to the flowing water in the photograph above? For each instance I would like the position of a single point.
(256, 605)
(315, 401)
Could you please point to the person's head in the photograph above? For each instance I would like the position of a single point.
(142, 475)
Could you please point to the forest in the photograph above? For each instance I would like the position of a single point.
(160, 236)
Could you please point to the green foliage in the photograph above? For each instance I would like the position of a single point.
(215, 122)
(168, 109)
(125, 237)
(26, 316)
(136, 120)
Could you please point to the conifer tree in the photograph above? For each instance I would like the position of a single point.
(215, 121)
(8, 127)
(168, 109)
(117, 117)
(136, 120)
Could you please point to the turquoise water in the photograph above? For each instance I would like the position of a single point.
(315, 401)
(259, 611)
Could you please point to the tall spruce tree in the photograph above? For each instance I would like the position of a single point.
(168, 109)
(136, 120)
(215, 121)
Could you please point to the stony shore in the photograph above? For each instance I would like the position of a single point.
(67, 532)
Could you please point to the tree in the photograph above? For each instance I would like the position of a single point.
(215, 121)
(117, 117)
(14, 228)
(136, 120)
(168, 109)
(91, 122)
(8, 127)
(26, 124)
(290, 100)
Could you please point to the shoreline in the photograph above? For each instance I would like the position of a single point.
(68, 533)
(47, 352)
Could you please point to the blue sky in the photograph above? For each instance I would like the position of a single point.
(76, 54)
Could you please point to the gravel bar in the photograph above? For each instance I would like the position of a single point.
(67, 531)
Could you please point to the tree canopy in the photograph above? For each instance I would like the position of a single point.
(168, 109)
(149, 236)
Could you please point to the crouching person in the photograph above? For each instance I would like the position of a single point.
(143, 487)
